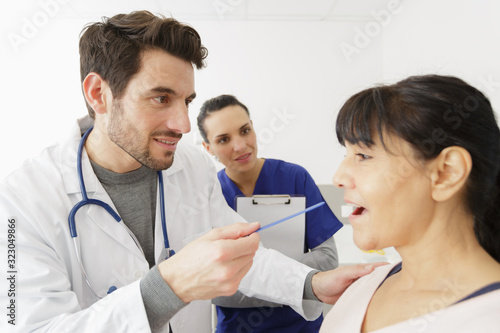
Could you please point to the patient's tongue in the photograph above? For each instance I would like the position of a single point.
(358, 211)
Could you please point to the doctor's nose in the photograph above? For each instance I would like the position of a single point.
(178, 118)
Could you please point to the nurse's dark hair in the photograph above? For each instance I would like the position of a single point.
(114, 47)
(431, 113)
(213, 105)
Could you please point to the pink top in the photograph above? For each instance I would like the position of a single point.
(477, 315)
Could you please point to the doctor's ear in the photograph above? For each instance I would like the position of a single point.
(207, 147)
(97, 92)
(449, 173)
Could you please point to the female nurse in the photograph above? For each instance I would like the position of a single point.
(228, 133)
(422, 169)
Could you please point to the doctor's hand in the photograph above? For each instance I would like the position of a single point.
(212, 265)
(330, 285)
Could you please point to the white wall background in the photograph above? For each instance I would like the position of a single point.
(293, 62)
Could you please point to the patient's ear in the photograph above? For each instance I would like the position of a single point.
(449, 172)
(96, 91)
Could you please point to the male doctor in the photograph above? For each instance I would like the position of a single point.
(138, 80)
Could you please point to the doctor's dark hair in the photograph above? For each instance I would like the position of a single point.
(213, 105)
(431, 113)
(114, 47)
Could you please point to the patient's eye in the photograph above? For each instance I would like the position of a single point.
(363, 157)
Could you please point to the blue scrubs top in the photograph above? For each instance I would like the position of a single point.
(279, 177)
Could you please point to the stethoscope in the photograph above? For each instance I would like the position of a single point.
(166, 253)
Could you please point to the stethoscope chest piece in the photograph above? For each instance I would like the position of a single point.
(165, 254)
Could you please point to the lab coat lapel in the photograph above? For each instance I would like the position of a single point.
(95, 214)
(172, 197)
(117, 230)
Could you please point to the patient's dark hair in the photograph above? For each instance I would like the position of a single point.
(431, 113)
(114, 47)
(215, 104)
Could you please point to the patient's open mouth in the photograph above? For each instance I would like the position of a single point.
(358, 210)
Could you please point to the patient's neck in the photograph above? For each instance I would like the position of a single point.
(447, 250)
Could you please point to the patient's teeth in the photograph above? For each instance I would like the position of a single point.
(346, 210)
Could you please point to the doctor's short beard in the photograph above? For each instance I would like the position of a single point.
(125, 135)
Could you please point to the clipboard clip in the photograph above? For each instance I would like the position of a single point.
(286, 199)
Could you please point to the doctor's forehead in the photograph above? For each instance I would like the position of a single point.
(159, 68)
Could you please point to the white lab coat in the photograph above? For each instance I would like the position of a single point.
(51, 294)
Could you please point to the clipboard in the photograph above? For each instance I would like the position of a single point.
(287, 238)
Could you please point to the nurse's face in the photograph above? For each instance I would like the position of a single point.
(150, 118)
(390, 191)
(231, 138)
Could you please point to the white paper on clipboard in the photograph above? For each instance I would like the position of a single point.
(287, 237)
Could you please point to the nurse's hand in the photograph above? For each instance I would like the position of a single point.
(212, 265)
(330, 285)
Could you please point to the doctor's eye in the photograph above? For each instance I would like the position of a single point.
(161, 99)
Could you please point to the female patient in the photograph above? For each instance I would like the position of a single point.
(422, 170)
(228, 133)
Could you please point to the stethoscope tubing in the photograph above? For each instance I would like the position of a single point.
(86, 201)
